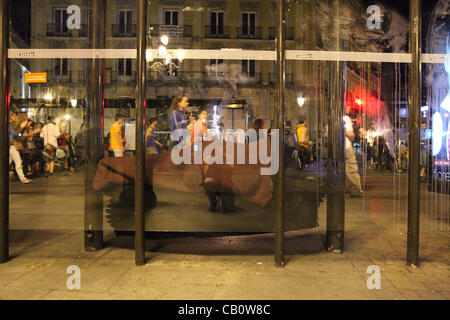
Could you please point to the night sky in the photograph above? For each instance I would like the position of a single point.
(21, 18)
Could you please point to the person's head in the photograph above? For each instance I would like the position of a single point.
(49, 119)
(179, 102)
(83, 127)
(13, 117)
(423, 125)
(258, 124)
(203, 116)
(191, 117)
(153, 122)
(119, 117)
(302, 120)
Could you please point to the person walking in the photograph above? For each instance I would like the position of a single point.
(14, 144)
(117, 142)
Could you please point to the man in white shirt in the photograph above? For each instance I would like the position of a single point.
(351, 165)
(50, 133)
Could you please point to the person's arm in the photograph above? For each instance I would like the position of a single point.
(119, 138)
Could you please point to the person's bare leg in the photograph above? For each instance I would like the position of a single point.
(52, 166)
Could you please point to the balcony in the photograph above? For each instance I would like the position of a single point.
(289, 78)
(158, 30)
(249, 33)
(178, 77)
(217, 32)
(250, 81)
(113, 77)
(54, 78)
(124, 30)
(57, 30)
(273, 33)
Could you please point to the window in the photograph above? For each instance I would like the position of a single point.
(248, 68)
(171, 17)
(61, 67)
(217, 23)
(216, 68)
(249, 23)
(125, 21)
(60, 20)
(124, 67)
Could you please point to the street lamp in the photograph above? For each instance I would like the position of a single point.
(74, 102)
(48, 97)
(167, 61)
(300, 101)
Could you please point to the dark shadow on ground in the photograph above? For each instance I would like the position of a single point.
(262, 244)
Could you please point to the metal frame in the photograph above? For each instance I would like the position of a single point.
(4, 136)
(415, 83)
(139, 182)
(279, 124)
(93, 203)
(336, 147)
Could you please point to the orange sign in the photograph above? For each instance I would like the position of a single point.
(36, 77)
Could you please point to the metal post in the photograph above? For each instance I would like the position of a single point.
(93, 201)
(415, 82)
(139, 180)
(4, 136)
(281, 104)
(336, 148)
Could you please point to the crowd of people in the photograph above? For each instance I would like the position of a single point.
(36, 147)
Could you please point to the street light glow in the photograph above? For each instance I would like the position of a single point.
(165, 40)
(67, 117)
(148, 55)
(162, 51)
(301, 101)
(74, 102)
(181, 54)
(48, 97)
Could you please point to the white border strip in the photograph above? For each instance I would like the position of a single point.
(226, 54)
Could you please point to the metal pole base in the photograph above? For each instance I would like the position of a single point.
(93, 241)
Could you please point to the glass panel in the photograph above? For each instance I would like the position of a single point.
(435, 124)
(230, 84)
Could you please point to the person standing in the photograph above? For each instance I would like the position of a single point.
(177, 109)
(200, 127)
(351, 165)
(150, 137)
(116, 143)
(50, 133)
(303, 140)
(65, 145)
(80, 145)
(14, 154)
